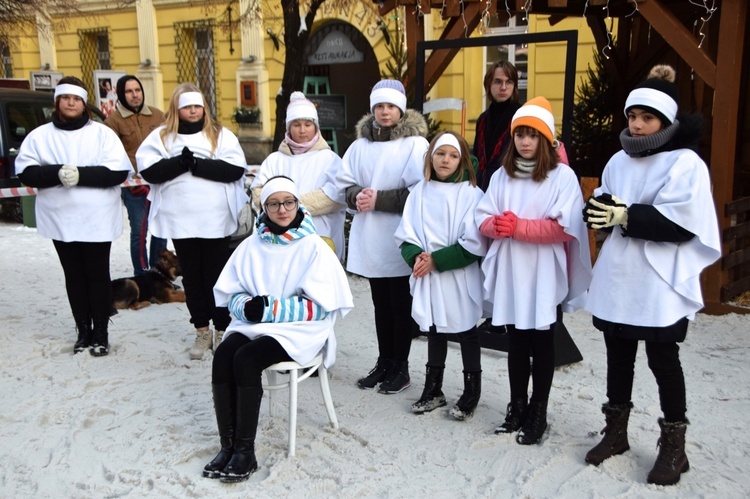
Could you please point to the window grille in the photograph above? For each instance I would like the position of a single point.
(196, 58)
(6, 69)
(93, 46)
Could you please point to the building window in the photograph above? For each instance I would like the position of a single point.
(93, 45)
(7, 62)
(196, 58)
(518, 55)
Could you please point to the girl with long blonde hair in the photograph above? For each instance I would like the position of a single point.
(197, 171)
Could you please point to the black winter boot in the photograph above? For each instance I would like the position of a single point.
(100, 337)
(514, 416)
(432, 395)
(224, 409)
(672, 460)
(83, 326)
(243, 460)
(534, 424)
(377, 374)
(469, 399)
(397, 379)
(615, 433)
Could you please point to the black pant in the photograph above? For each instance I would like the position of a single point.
(202, 260)
(471, 352)
(87, 281)
(241, 362)
(664, 362)
(394, 325)
(522, 344)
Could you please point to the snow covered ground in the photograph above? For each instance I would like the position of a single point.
(140, 423)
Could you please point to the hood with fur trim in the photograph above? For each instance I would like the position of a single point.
(411, 124)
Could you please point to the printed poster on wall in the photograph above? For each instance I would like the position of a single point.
(105, 82)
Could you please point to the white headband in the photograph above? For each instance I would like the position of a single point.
(447, 139)
(68, 89)
(190, 99)
(277, 184)
(654, 99)
(389, 95)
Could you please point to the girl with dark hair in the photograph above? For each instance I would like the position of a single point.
(655, 202)
(77, 166)
(538, 259)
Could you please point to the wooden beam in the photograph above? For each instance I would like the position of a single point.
(386, 6)
(679, 38)
(439, 60)
(724, 136)
(414, 35)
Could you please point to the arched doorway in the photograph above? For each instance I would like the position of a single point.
(338, 51)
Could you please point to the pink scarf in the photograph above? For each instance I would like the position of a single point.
(300, 148)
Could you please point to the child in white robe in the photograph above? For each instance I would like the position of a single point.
(196, 169)
(77, 165)
(285, 289)
(305, 157)
(538, 259)
(655, 201)
(380, 168)
(440, 241)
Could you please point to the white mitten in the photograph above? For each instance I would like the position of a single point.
(69, 175)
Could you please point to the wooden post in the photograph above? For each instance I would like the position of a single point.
(588, 184)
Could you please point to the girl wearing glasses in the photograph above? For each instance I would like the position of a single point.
(305, 157)
(197, 171)
(274, 319)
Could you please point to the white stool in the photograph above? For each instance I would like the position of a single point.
(294, 378)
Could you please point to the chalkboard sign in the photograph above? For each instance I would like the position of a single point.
(331, 110)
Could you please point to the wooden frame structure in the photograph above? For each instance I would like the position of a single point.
(713, 67)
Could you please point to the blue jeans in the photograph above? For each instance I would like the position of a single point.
(138, 216)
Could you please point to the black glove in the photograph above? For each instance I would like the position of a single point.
(254, 308)
(187, 160)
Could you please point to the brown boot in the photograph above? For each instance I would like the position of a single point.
(615, 433)
(672, 460)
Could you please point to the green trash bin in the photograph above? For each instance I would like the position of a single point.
(28, 207)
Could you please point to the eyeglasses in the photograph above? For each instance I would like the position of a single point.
(273, 206)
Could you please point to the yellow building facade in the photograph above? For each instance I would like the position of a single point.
(166, 42)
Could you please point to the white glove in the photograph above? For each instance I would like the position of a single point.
(69, 175)
(602, 215)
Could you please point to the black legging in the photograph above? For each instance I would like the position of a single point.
(523, 344)
(664, 362)
(471, 352)
(394, 325)
(240, 362)
(87, 280)
(202, 260)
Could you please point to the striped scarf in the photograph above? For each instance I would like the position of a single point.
(306, 227)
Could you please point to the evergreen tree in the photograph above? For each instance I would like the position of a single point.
(595, 106)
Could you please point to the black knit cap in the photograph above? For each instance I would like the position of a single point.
(121, 93)
(662, 105)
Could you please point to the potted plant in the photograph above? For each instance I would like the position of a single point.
(246, 115)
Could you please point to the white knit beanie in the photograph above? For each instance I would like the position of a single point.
(388, 91)
(300, 108)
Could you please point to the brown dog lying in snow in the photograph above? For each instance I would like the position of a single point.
(154, 286)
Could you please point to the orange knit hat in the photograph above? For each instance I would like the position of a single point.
(537, 114)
